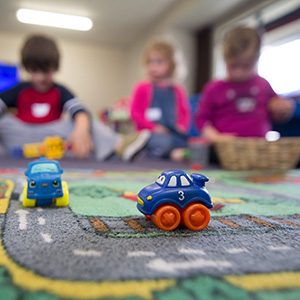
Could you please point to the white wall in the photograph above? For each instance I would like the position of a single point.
(9, 49)
(96, 73)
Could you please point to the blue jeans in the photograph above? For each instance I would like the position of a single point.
(160, 145)
(14, 133)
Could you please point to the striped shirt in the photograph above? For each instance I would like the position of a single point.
(36, 107)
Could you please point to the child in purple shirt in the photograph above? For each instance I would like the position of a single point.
(241, 104)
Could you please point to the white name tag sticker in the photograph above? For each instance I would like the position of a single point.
(246, 104)
(40, 110)
(154, 114)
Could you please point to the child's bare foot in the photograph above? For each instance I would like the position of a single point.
(178, 154)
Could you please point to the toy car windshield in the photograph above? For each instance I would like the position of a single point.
(44, 167)
(161, 180)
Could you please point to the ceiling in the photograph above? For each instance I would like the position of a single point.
(117, 22)
(202, 12)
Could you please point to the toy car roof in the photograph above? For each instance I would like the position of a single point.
(173, 172)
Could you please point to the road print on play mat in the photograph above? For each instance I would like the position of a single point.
(189, 269)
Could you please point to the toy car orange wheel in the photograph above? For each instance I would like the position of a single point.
(166, 217)
(196, 216)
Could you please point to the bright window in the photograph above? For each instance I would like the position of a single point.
(280, 65)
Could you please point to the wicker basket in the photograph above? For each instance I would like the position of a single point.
(257, 153)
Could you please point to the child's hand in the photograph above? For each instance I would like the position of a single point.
(181, 129)
(81, 143)
(80, 139)
(214, 136)
(161, 129)
(281, 109)
(225, 137)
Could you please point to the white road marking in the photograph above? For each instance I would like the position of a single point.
(22, 218)
(279, 248)
(236, 250)
(87, 252)
(47, 237)
(169, 267)
(140, 253)
(21, 197)
(22, 183)
(42, 221)
(40, 209)
(191, 251)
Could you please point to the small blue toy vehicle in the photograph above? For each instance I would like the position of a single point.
(44, 185)
(176, 197)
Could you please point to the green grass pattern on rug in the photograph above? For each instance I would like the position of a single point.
(104, 196)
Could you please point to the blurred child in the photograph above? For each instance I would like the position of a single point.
(39, 105)
(240, 104)
(160, 105)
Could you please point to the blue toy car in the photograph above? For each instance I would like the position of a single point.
(44, 185)
(176, 197)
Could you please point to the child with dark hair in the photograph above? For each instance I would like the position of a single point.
(39, 105)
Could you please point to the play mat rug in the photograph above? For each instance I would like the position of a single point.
(100, 247)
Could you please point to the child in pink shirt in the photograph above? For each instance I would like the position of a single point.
(160, 105)
(242, 103)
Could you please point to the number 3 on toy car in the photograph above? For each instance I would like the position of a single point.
(181, 195)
